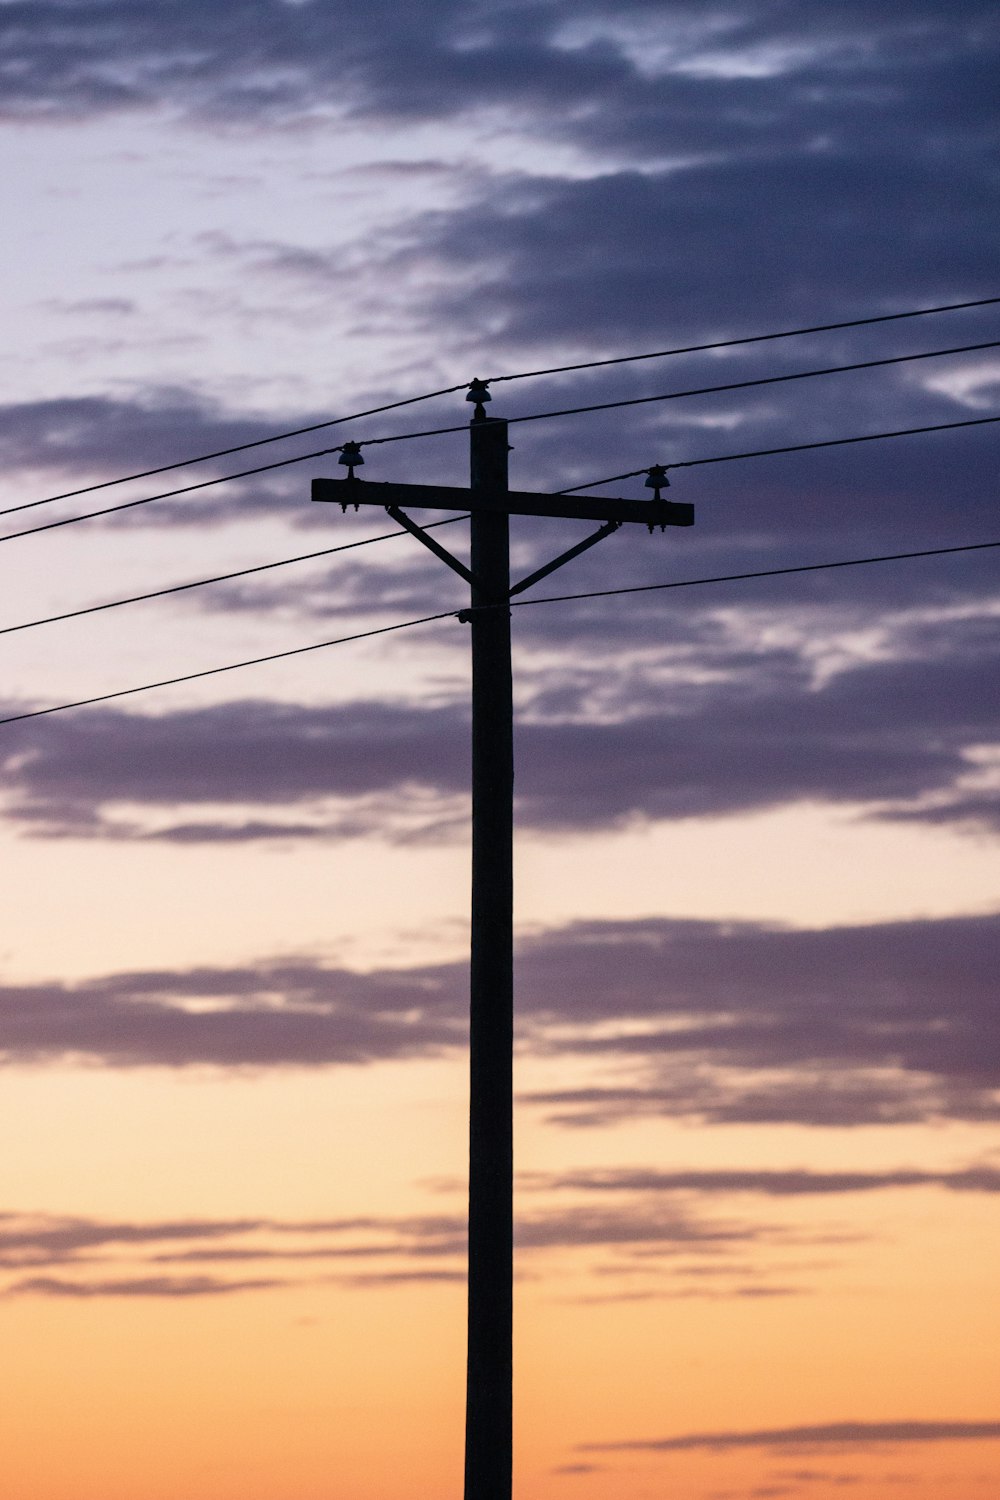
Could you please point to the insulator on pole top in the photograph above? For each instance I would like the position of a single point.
(479, 393)
(351, 457)
(656, 479)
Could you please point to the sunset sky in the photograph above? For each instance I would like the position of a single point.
(758, 865)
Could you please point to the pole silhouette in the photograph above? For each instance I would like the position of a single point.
(491, 986)
(491, 502)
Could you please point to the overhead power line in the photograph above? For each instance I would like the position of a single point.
(725, 458)
(203, 458)
(185, 489)
(688, 583)
(703, 390)
(593, 364)
(361, 635)
(755, 338)
(200, 583)
(529, 417)
(742, 385)
(868, 437)
(233, 666)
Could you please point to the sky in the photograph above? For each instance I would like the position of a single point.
(757, 859)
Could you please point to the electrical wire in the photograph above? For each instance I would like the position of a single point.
(449, 614)
(705, 390)
(530, 417)
(756, 338)
(688, 583)
(199, 583)
(593, 364)
(186, 489)
(233, 666)
(869, 437)
(724, 458)
(202, 458)
(741, 385)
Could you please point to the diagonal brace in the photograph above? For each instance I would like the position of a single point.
(565, 557)
(431, 544)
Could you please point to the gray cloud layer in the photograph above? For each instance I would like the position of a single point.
(742, 168)
(263, 59)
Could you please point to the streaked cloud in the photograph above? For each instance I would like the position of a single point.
(724, 732)
(727, 1022)
(830, 1434)
(769, 1182)
(135, 1286)
(76, 1257)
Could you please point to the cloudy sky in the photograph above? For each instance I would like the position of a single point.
(757, 862)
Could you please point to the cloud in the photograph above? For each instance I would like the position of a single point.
(639, 1225)
(772, 1183)
(275, 1016)
(60, 1238)
(428, 1248)
(116, 435)
(267, 61)
(799, 248)
(726, 1022)
(402, 1278)
(848, 1026)
(248, 753)
(136, 1286)
(166, 1258)
(830, 1434)
(906, 732)
(710, 159)
(835, 158)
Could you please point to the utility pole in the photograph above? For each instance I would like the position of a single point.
(490, 502)
(488, 1392)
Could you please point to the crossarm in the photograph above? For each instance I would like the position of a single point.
(651, 513)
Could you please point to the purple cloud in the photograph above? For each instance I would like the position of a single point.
(136, 1286)
(898, 736)
(881, 1023)
(829, 1434)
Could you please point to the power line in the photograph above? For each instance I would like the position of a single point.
(277, 437)
(233, 666)
(187, 489)
(646, 588)
(724, 458)
(869, 437)
(184, 463)
(198, 583)
(740, 385)
(756, 338)
(737, 385)
(688, 583)
(705, 390)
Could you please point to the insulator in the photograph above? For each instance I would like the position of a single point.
(351, 455)
(478, 392)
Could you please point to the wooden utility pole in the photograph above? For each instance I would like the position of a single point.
(491, 991)
(491, 1162)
